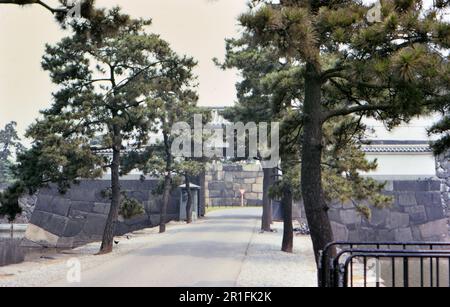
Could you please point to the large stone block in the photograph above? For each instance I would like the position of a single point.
(95, 224)
(340, 232)
(435, 212)
(406, 199)
(435, 185)
(417, 235)
(433, 229)
(356, 236)
(217, 185)
(44, 202)
(405, 186)
(56, 225)
(78, 215)
(250, 180)
(101, 208)
(257, 188)
(417, 214)
(415, 186)
(229, 193)
(424, 198)
(232, 168)
(84, 206)
(350, 217)
(61, 206)
(251, 196)
(370, 234)
(379, 217)
(229, 185)
(385, 235)
(398, 220)
(83, 194)
(73, 228)
(403, 235)
(335, 216)
(252, 168)
(229, 176)
(41, 236)
(254, 202)
(250, 175)
(40, 218)
(215, 193)
(436, 199)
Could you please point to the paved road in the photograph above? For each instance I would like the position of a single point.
(207, 253)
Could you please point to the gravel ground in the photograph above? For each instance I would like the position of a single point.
(267, 266)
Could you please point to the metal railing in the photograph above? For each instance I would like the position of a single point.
(346, 264)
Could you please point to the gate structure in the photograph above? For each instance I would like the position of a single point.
(385, 264)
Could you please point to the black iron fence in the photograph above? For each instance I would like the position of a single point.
(385, 264)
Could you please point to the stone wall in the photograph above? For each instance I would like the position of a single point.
(417, 212)
(415, 215)
(223, 183)
(79, 216)
(10, 252)
(443, 172)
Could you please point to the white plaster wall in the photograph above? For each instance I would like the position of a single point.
(395, 164)
(415, 130)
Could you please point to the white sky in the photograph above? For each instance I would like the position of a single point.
(193, 27)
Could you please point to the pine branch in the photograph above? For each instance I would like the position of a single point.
(52, 10)
(38, 2)
(356, 109)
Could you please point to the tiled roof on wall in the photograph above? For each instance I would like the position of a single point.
(397, 148)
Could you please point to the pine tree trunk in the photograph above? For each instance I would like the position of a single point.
(108, 234)
(12, 230)
(167, 184)
(189, 201)
(202, 194)
(165, 203)
(288, 228)
(311, 175)
(268, 180)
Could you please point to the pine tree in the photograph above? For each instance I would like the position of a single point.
(188, 169)
(442, 128)
(176, 105)
(109, 89)
(254, 104)
(390, 69)
(270, 90)
(10, 146)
